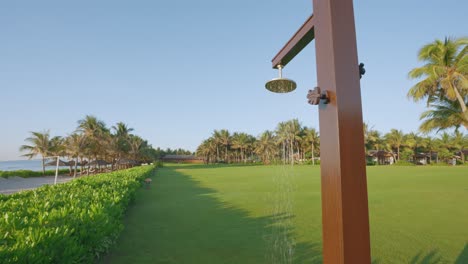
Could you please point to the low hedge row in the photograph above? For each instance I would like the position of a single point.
(73, 222)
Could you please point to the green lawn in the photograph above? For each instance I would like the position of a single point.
(258, 214)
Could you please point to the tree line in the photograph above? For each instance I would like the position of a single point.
(291, 142)
(92, 140)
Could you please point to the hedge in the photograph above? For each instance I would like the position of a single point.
(74, 222)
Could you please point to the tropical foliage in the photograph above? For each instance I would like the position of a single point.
(290, 142)
(92, 140)
(293, 143)
(73, 222)
(444, 84)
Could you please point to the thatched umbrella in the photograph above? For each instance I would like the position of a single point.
(54, 163)
(98, 163)
(72, 163)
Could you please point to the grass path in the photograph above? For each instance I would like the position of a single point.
(196, 214)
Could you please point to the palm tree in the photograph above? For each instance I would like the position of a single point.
(395, 139)
(76, 145)
(120, 140)
(223, 138)
(57, 147)
(265, 146)
(445, 73)
(136, 144)
(460, 142)
(240, 141)
(369, 138)
(414, 141)
(445, 141)
(96, 133)
(217, 140)
(122, 130)
(443, 114)
(40, 144)
(288, 136)
(446, 147)
(207, 150)
(312, 137)
(432, 146)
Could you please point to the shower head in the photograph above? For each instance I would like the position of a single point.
(280, 85)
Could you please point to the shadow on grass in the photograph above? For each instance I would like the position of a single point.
(463, 257)
(224, 165)
(434, 257)
(208, 166)
(178, 221)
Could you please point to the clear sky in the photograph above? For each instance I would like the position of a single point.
(177, 70)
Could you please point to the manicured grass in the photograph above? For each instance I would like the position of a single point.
(209, 214)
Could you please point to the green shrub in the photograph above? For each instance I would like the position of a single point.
(73, 222)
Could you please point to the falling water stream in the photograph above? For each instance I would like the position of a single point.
(281, 241)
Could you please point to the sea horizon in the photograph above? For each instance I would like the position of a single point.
(33, 164)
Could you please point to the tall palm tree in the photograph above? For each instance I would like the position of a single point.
(375, 140)
(224, 138)
(265, 147)
(445, 72)
(445, 146)
(76, 145)
(288, 136)
(444, 114)
(96, 134)
(40, 144)
(414, 142)
(460, 142)
(369, 134)
(312, 137)
(445, 141)
(136, 144)
(431, 145)
(240, 141)
(395, 139)
(120, 140)
(122, 130)
(207, 150)
(218, 141)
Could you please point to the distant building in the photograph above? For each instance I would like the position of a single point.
(182, 159)
(422, 159)
(381, 157)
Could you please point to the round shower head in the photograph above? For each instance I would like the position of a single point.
(281, 85)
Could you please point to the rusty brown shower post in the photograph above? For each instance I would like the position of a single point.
(345, 216)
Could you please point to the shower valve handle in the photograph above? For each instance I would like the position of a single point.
(316, 95)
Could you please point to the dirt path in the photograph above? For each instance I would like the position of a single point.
(15, 184)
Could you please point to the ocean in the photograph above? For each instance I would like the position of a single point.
(34, 165)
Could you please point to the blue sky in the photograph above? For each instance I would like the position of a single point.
(177, 70)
